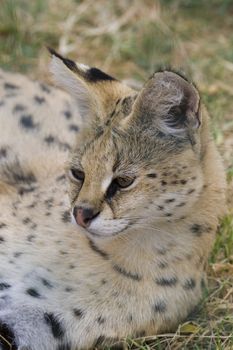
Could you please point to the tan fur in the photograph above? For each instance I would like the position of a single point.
(139, 266)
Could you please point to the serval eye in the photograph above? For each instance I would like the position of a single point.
(77, 174)
(124, 182)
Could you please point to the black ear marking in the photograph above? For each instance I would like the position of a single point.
(93, 75)
(69, 63)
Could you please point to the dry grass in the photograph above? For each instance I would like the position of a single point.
(131, 39)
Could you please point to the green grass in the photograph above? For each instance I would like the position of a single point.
(132, 39)
(223, 248)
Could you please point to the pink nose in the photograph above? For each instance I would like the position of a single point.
(84, 216)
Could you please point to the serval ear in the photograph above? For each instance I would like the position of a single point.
(95, 91)
(167, 103)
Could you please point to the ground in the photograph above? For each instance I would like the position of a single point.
(131, 40)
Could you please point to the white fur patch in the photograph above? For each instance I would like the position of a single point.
(82, 67)
(105, 183)
(107, 227)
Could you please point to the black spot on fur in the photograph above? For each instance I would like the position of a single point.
(66, 216)
(49, 139)
(49, 203)
(183, 182)
(197, 229)
(168, 214)
(2, 239)
(2, 225)
(100, 320)
(45, 88)
(10, 86)
(162, 264)
(127, 274)
(17, 254)
(55, 325)
(33, 293)
(27, 122)
(6, 337)
(4, 286)
(46, 283)
(191, 191)
(170, 200)
(74, 127)
(26, 221)
(23, 190)
(67, 114)
(160, 306)
(166, 281)
(30, 238)
(39, 99)
(19, 108)
(160, 207)
(100, 340)
(3, 152)
(98, 250)
(153, 176)
(32, 205)
(78, 313)
(189, 284)
(163, 183)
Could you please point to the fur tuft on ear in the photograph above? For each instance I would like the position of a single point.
(169, 103)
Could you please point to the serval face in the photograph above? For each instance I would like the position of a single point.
(137, 160)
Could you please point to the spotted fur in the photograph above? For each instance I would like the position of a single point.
(138, 268)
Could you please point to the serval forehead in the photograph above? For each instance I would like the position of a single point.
(100, 151)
